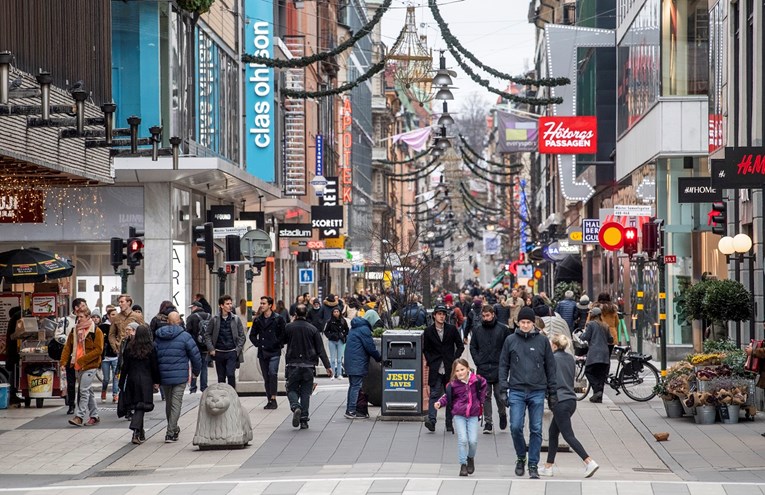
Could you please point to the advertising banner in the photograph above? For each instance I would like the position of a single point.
(327, 217)
(697, 190)
(568, 135)
(259, 89)
(295, 230)
(329, 199)
(491, 242)
(743, 168)
(22, 207)
(516, 133)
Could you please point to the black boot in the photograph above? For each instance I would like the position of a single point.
(136, 437)
(471, 465)
(70, 410)
(463, 470)
(449, 428)
(142, 435)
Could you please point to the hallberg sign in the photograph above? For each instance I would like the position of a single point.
(259, 90)
(742, 168)
(568, 135)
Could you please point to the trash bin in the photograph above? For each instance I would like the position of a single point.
(402, 373)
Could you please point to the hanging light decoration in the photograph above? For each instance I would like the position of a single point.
(445, 118)
(444, 93)
(411, 61)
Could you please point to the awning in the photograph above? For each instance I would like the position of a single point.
(499, 279)
(625, 220)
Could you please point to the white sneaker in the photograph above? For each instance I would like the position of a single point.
(590, 469)
(332, 379)
(545, 471)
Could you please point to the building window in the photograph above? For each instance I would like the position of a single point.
(685, 47)
(638, 67)
(716, 69)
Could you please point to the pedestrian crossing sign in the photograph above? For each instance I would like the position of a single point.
(305, 275)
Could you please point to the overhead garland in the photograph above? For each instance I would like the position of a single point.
(378, 67)
(449, 38)
(408, 160)
(474, 162)
(300, 62)
(418, 174)
(466, 145)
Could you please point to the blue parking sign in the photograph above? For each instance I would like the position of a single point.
(305, 275)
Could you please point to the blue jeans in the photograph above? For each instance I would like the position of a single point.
(534, 400)
(202, 376)
(354, 386)
(109, 370)
(467, 437)
(336, 348)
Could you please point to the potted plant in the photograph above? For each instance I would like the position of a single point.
(724, 301)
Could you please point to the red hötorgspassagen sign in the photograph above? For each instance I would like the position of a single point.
(568, 135)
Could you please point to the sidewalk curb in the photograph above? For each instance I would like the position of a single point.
(660, 451)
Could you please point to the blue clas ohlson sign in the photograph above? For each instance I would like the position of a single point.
(259, 89)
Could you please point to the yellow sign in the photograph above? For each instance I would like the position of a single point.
(639, 307)
(662, 316)
(640, 293)
(335, 243)
(662, 295)
(575, 236)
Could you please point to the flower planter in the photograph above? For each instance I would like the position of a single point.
(674, 408)
(705, 415)
(729, 413)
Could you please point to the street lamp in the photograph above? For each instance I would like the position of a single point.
(740, 244)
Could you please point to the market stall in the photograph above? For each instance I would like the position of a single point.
(38, 375)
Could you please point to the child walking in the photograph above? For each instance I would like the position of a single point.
(465, 393)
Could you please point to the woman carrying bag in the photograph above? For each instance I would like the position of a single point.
(139, 373)
(598, 338)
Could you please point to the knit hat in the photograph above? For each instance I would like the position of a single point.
(584, 299)
(133, 325)
(448, 299)
(196, 305)
(595, 311)
(526, 313)
(477, 300)
(96, 312)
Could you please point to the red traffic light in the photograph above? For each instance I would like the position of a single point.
(135, 245)
(630, 241)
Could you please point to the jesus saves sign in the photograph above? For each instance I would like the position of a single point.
(568, 135)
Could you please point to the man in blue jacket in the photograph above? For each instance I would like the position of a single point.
(526, 372)
(359, 347)
(567, 309)
(175, 349)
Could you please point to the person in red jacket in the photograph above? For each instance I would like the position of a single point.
(465, 395)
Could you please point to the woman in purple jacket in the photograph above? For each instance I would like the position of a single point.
(465, 393)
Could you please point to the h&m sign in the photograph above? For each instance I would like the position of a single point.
(697, 190)
(743, 168)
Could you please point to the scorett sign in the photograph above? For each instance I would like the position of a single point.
(327, 217)
(697, 190)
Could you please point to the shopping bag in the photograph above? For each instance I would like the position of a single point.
(754, 363)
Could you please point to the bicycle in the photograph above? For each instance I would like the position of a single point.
(634, 374)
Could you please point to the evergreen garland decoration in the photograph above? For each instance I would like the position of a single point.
(378, 67)
(450, 39)
(466, 193)
(419, 173)
(415, 205)
(467, 158)
(408, 160)
(298, 63)
(504, 94)
(443, 201)
(422, 216)
(466, 145)
(487, 179)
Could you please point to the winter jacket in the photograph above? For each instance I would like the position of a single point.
(336, 329)
(527, 363)
(609, 316)
(555, 325)
(316, 316)
(466, 401)
(472, 321)
(567, 310)
(598, 339)
(485, 348)
(359, 348)
(582, 315)
(237, 332)
(267, 334)
(194, 326)
(327, 307)
(94, 348)
(503, 313)
(437, 351)
(760, 353)
(175, 348)
(564, 378)
(118, 330)
(304, 344)
(413, 316)
(137, 379)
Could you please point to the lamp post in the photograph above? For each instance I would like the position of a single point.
(739, 245)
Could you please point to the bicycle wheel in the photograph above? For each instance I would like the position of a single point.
(638, 380)
(581, 384)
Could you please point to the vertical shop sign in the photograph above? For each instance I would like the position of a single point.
(259, 85)
(346, 172)
(179, 275)
(319, 155)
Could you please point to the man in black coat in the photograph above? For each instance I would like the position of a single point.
(441, 345)
(485, 348)
(267, 334)
(304, 349)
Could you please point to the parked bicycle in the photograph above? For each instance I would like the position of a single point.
(634, 375)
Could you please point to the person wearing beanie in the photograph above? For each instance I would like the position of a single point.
(527, 372)
(454, 314)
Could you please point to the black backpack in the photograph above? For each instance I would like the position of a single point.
(204, 323)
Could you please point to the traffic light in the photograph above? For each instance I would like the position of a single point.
(117, 252)
(720, 218)
(650, 238)
(233, 251)
(134, 248)
(205, 241)
(630, 241)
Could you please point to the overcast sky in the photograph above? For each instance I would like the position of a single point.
(497, 32)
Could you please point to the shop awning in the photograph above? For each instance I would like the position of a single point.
(498, 280)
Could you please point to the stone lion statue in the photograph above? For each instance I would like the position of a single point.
(222, 422)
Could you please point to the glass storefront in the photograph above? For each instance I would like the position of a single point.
(685, 47)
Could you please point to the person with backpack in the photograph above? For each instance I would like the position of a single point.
(454, 315)
(196, 324)
(465, 394)
(473, 319)
(224, 338)
(441, 345)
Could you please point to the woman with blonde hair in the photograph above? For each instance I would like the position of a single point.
(564, 410)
